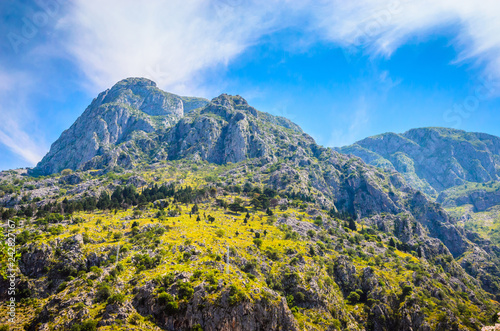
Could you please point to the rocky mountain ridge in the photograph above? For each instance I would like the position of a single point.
(433, 159)
(135, 121)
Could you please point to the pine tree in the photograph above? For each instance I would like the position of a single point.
(392, 242)
(352, 224)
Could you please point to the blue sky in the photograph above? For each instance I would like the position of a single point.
(341, 70)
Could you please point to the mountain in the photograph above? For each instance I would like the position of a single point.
(154, 211)
(135, 121)
(119, 116)
(433, 159)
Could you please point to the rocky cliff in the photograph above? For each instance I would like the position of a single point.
(131, 108)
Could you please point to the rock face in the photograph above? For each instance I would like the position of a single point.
(135, 121)
(228, 130)
(481, 199)
(433, 159)
(225, 316)
(133, 106)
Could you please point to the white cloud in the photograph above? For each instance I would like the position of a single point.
(356, 124)
(174, 41)
(14, 113)
(19, 142)
(170, 42)
(380, 26)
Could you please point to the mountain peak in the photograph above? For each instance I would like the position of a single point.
(227, 100)
(134, 121)
(134, 81)
(433, 159)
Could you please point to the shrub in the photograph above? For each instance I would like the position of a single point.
(186, 290)
(96, 270)
(186, 256)
(257, 242)
(103, 293)
(66, 172)
(353, 297)
(165, 280)
(272, 253)
(219, 233)
(406, 290)
(88, 325)
(135, 318)
(235, 295)
(196, 274)
(144, 261)
(79, 306)
(116, 298)
(164, 298)
(300, 297)
(62, 286)
(311, 233)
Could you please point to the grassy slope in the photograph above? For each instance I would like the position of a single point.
(392, 267)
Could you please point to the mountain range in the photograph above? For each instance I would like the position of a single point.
(179, 213)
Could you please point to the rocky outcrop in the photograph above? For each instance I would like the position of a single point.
(248, 314)
(481, 199)
(35, 260)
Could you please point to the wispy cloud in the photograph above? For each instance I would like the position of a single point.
(356, 124)
(379, 27)
(168, 41)
(19, 142)
(174, 41)
(16, 117)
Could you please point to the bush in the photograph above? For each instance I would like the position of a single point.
(62, 286)
(144, 261)
(219, 233)
(353, 297)
(300, 297)
(135, 319)
(186, 290)
(165, 280)
(66, 172)
(96, 270)
(79, 306)
(235, 295)
(116, 298)
(168, 301)
(186, 256)
(311, 233)
(406, 290)
(103, 293)
(88, 325)
(272, 253)
(257, 242)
